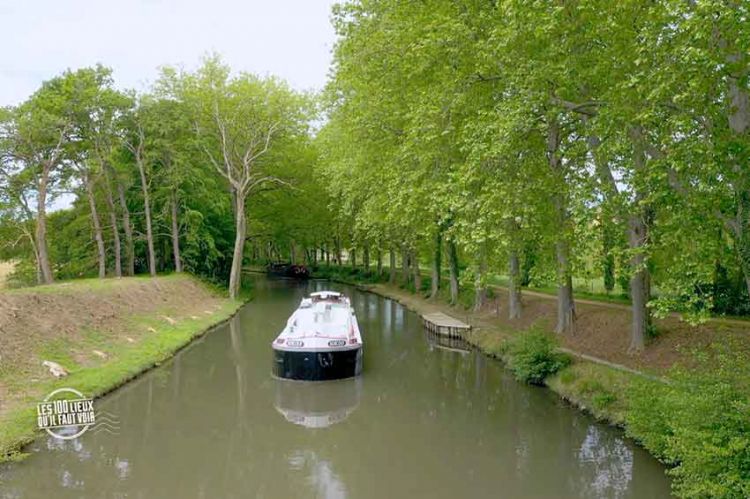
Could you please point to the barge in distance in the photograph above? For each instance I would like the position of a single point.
(321, 340)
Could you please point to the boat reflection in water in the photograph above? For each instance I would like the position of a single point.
(317, 405)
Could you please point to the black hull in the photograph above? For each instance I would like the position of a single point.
(317, 366)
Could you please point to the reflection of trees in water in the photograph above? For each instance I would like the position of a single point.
(387, 318)
(607, 464)
(320, 475)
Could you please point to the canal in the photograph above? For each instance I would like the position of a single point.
(424, 420)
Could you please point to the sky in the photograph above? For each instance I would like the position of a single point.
(291, 39)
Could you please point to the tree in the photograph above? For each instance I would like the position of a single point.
(241, 123)
(34, 140)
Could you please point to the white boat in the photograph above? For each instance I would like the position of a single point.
(321, 340)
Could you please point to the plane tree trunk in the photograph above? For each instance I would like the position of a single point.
(113, 222)
(45, 269)
(98, 237)
(235, 274)
(514, 286)
(453, 270)
(437, 259)
(175, 233)
(405, 265)
(147, 214)
(392, 267)
(128, 229)
(566, 313)
(640, 292)
(480, 288)
(416, 272)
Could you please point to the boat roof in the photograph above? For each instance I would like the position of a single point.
(326, 294)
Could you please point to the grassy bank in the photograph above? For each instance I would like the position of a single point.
(104, 332)
(686, 398)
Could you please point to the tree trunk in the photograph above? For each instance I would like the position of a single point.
(453, 268)
(416, 271)
(566, 309)
(337, 243)
(380, 262)
(101, 255)
(637, 239)
(113, 223)
(480, 288)
(739, 124)
(41, 229)
(639, 283)
(175, 234)
(292, 252)
(514, 288)
(565, 305)
(437, 261)
(392, 268)
(366, 258)
(147, 211)
(353, 258)
(405, 265)
(38, 268)
(129, 248)
(235, 275)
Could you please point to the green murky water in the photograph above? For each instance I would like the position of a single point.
(422, 421)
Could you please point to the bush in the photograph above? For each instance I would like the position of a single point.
(533, 356)
(700, 424)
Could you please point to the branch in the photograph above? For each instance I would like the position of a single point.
(249, 187)
(580, 108)
(223, 141)
(248, 159)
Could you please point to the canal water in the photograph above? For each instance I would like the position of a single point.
(424, 420)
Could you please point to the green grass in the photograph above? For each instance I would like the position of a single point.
(125, 361)
(87, 284)
(598, 389)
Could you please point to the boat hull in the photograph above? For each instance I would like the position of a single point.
(311, 365)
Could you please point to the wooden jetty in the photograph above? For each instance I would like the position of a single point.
(444, 325)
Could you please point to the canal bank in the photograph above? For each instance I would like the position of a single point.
(103, 332)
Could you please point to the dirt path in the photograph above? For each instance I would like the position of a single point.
(621, 306)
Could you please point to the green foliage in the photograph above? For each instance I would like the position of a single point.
(348, 274)
(700, 423)
(533, 357)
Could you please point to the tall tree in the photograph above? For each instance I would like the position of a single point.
(241, 123)
(35, 139)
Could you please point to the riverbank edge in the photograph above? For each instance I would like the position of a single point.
(117, 372)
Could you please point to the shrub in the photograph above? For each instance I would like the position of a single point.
(533, 356)
(699, 423)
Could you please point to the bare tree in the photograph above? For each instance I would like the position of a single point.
(239, 154)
